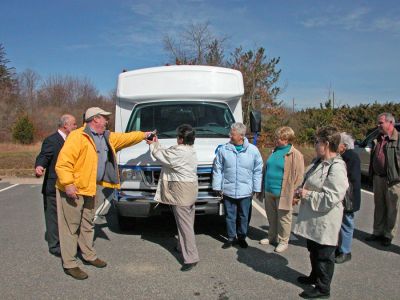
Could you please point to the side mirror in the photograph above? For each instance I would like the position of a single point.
(357, 142)
(255, 121)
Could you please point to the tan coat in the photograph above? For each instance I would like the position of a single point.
(178, 183)
(292, 177)
(321, 211)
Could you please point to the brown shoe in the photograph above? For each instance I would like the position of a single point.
(76, 273)
(98, 263)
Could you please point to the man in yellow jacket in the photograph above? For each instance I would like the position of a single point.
(87, 159)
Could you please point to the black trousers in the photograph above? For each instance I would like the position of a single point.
(322, 259)
(50, 215)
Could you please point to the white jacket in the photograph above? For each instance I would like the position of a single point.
(321, 211)
(178, 179)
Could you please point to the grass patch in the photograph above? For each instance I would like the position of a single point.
(17, 159)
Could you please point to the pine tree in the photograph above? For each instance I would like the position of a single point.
(23, 130)
(6, 74)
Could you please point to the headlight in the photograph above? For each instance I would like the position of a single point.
(130, 175)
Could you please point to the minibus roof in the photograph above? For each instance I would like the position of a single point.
(180, 82)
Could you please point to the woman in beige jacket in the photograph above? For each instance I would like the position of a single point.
(283, 174)
(321, 211)
(177, 187)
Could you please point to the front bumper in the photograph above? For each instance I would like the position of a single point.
(141, 204)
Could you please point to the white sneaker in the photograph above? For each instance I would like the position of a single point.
(264, 242)
(281, 247)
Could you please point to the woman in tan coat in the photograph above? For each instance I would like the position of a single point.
(283, 174)
(177, 187)
(321, 211)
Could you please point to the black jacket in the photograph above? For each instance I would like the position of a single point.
(47, 158)
(353, 165)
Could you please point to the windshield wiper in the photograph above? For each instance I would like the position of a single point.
(166, 135)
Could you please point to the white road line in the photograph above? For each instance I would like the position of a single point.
(259, 208)
(9, 187)
(367, 192)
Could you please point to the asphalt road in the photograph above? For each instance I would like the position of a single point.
(143, 265)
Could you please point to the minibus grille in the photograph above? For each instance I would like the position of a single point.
(152, 177)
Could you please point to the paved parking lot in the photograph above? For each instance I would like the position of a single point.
(143, 265)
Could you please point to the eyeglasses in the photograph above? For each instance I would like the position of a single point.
(319, 142)
(383, 122)
(107, 118)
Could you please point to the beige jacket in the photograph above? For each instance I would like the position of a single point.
(321, 211)
(178, 184)
(292, 177)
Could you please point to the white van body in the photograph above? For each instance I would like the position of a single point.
(162, 98)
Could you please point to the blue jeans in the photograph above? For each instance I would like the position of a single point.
(237, 217)
(346, 233)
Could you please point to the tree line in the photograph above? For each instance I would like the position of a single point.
(197, 44)
(357, 120)
(29, 101)
(30, 105)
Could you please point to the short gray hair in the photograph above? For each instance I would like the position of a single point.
(63, 120)
(239, 128)
(347, 140)
(388, 117)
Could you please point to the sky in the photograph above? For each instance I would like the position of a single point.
(351, 48)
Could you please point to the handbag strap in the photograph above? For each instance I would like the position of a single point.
(312, 169)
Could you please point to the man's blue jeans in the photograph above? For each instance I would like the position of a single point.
(346, 233)
(236, 216)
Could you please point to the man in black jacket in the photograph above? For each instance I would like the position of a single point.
(353, 196)
(47, 159)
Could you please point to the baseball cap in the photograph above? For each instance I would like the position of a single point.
(94, 111)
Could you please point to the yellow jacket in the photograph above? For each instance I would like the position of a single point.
(77, 161)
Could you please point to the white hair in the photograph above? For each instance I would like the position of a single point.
(388, 117)
(347, 140)
(239, 128)
(64, 119)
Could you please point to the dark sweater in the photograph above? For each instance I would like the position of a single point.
(353, 165)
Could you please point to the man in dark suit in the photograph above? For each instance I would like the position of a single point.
(47, 159)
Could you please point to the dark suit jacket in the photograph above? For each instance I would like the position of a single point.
(47, 158)
(353, 165)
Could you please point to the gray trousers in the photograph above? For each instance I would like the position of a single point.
(75, 224)
(50, 216)
(184, 217)
(386, 207)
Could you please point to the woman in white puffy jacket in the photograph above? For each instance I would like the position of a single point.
(237, 175)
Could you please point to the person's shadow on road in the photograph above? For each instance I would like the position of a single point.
(99, 232)
(257, 233)
(271, 264)
(361, 235)
(162, 230)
